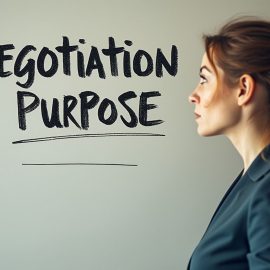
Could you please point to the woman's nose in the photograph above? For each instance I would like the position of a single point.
(193, 98)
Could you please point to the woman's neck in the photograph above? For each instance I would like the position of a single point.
(249, 142)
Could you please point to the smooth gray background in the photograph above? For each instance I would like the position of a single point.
(112, 218)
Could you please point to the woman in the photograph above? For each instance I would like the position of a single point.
(233, 98)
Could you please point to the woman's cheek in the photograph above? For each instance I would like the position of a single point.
(207, 99)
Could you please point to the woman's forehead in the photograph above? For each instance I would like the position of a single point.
(206, 64)
(208, 67)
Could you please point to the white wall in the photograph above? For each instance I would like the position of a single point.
(111, 217)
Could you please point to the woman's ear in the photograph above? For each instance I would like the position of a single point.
(246, 89)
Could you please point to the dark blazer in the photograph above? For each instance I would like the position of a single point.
(238, 236)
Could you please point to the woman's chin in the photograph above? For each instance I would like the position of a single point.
(205, 133)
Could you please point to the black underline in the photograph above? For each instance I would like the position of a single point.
(93, 135)
(79, 164)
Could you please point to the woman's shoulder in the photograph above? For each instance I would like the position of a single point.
(259, 170)
(259, 175)
(260, 195)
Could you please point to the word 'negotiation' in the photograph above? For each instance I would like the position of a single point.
(46, 61)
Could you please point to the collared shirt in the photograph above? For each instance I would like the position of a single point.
(238, 236)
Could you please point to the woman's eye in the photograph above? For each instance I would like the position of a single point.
(202, 79)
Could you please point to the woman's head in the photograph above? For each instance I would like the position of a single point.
(238, 63)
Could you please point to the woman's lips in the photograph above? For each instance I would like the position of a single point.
(197, 115)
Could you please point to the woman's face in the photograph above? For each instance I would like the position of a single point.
(216, 108)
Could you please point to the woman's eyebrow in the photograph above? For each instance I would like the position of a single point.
(205, 67)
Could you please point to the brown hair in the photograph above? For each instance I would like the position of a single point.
(242, 46)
